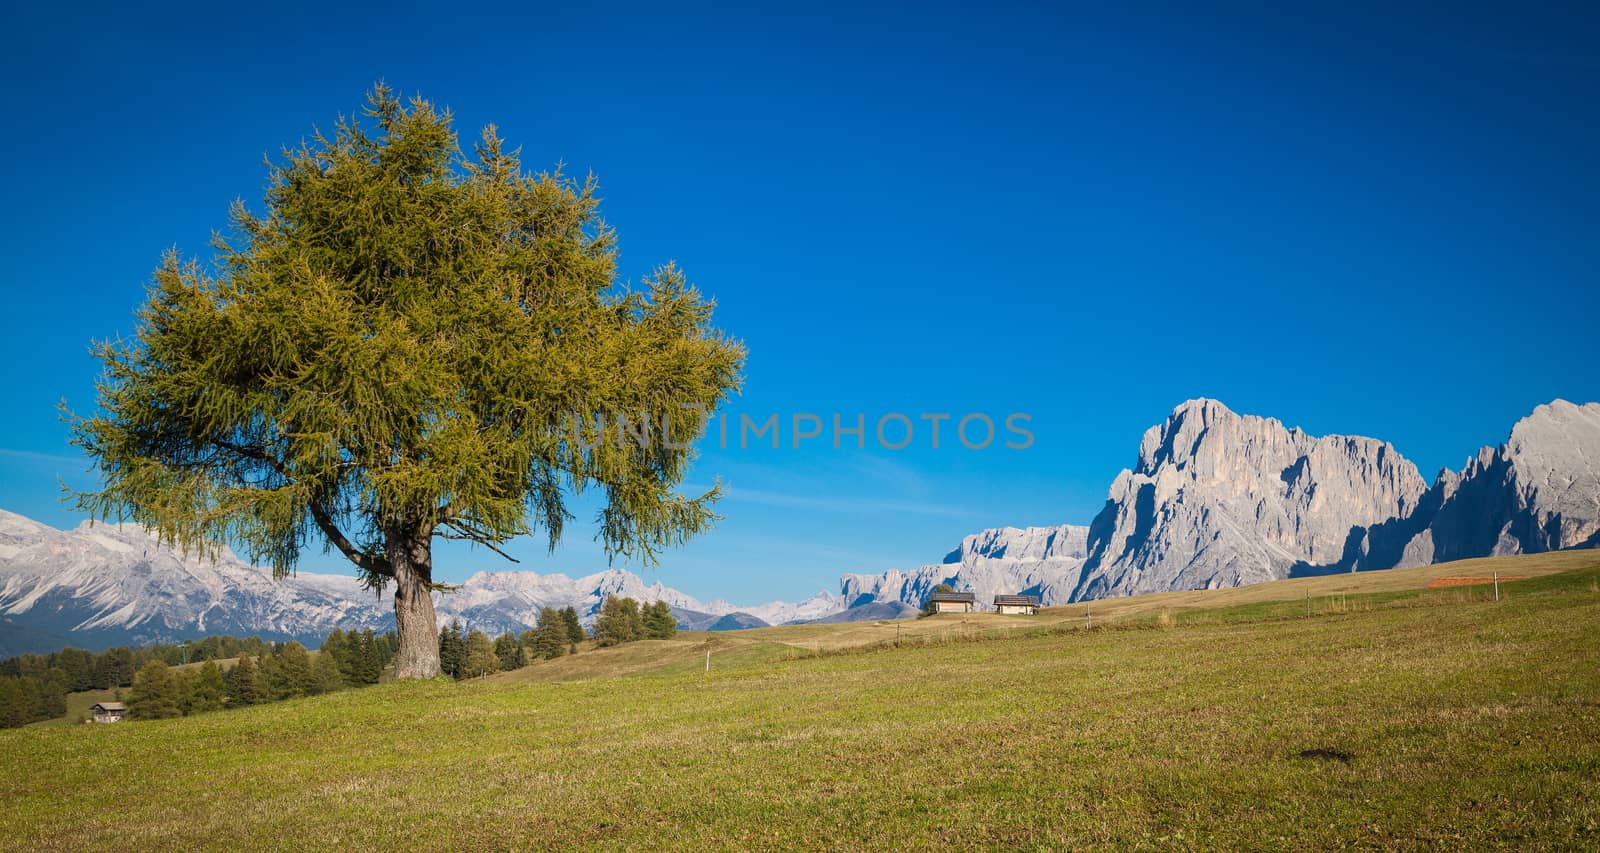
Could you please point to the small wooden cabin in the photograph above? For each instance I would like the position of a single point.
(953, 602)
(1024, 605)
(108, 712)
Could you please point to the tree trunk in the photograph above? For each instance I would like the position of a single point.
(410, 553)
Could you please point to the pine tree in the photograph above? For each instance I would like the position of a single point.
(550, 640)
(243, 688)
(53, 694)
(368, 657)
(268, 680)
(630, 610)
(343, 650)
(575, 633)
(325, 674)
(154, 694)
(619, 622)
(382, 355)
(659, 623)
(115, 668)
(480, 657)
(183, 688)
(78, 665)
(207, 690)
(509, 651)
(291, 675)
(452, 649)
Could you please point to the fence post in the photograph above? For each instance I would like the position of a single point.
(1497, 585)
(1308, 603)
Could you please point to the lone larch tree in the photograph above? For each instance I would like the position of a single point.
(408, 343)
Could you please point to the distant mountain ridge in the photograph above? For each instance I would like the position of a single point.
(1215, 499)
(99, 585)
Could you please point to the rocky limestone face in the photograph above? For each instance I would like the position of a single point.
(1540, 491)
(1219, 499)
(1063, 542)
(1004, 560)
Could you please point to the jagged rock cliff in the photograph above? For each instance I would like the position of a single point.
(1539, 491)
(1219, 499)
(1033, 560)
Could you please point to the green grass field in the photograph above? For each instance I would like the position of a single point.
(1394, 717)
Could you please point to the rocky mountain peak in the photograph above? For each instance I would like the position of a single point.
(1222, 499)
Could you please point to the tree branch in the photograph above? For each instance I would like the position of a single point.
(364, 561)
(476, 540)
(325, 522)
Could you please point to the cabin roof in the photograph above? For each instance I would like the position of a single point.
(956, 597)
(109, 706)
(1023, 600)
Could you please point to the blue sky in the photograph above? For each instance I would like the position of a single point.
(1378, 222)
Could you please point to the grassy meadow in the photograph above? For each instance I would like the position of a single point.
(1395, 717)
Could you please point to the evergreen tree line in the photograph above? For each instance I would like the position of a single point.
(25, 699)
(34, 687)
(622, 620)
(470, 654)
(285, 671)
(116, 667)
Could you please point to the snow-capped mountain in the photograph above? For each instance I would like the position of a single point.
(100, 585)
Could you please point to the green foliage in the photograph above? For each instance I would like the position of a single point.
(480, 658)
(659, 623)
(78, 666)
(550, 638)
(359, 656)
(575, 633)
(510, 653)
(115, 668)
(619, 622)
(452, 649)
(407, 342)
(155, 694)
(27, 699)
(243, 683)
(338, 648)
(325, 674)
(289, 674)
(372, 654)
(204, 690)
(81, 670)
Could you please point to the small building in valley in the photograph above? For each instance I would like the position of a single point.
(952, 602)
(108, 712)
(1025, 605)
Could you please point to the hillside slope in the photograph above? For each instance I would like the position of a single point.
(1455, 721)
